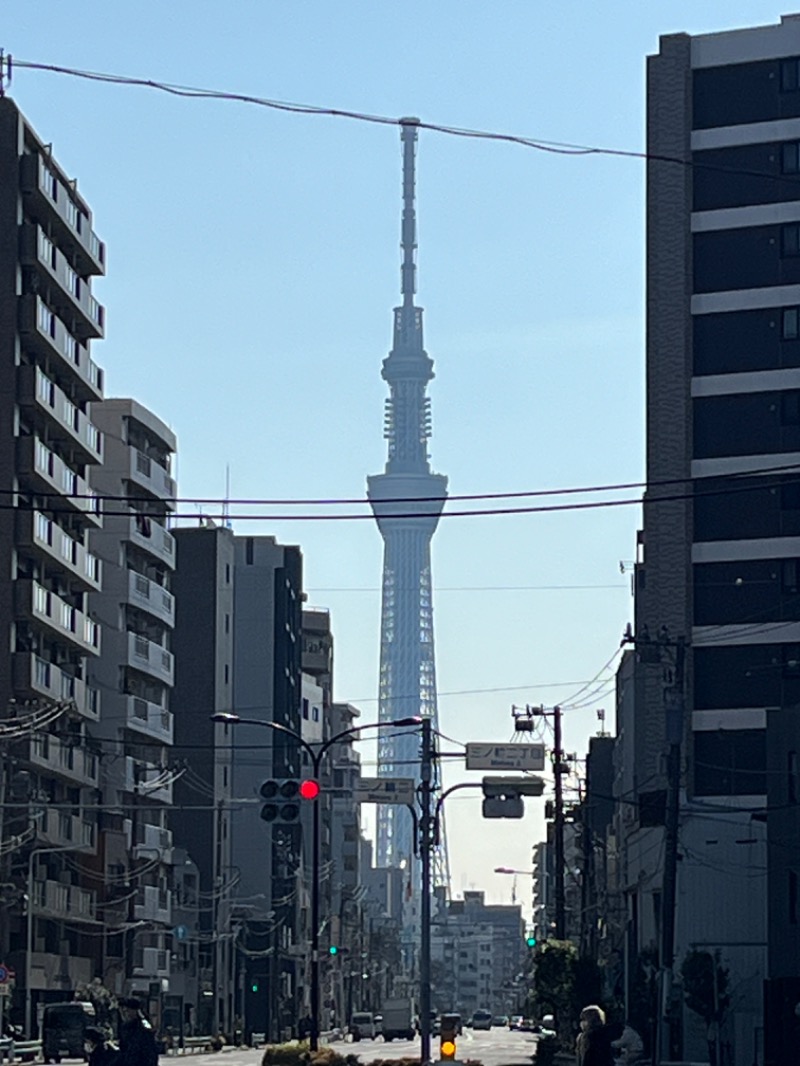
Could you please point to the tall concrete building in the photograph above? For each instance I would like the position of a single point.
(136, 612)
(201, 817)
(49, 254)
(407, 500)
(721, 533)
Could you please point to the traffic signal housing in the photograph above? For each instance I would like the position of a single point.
(284, 798)
(503, 795)
(447, 1038)
(531, 941)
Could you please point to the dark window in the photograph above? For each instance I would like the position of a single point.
(790, 157)
(792, 898)
(248, 551)
(790, 75)
(789, 324)
(227, 623)
(730, 762)
(790, 239)
(227, 673)
(305, 708)
(789, 576)
(790, 496)
(652, 808)
(790, 408)
(227, 574)
(792, 770)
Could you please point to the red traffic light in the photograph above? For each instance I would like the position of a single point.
(309, 789)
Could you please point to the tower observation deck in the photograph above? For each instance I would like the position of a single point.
(407, 500)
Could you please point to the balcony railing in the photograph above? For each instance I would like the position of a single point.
(151, 597)
(148, 534)
(67, 291)
(67, 422)
(150, 657)
(150, 718)
(35, 601)
(41, 464)
(36, 529)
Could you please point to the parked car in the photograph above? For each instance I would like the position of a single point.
(515, 1021)
(63, 1025)
(500, 1020)
(481, 1019)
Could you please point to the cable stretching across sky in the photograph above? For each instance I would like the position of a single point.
(407, 682)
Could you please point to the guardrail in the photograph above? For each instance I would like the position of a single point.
(21, 1050)
(192, 1044)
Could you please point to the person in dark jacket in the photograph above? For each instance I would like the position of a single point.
(95, 1044)
(137, 1042)
(593, 1046)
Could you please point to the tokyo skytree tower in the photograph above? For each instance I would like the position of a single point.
(407, 500)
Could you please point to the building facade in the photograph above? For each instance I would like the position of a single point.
(49, 319)
(135, 609)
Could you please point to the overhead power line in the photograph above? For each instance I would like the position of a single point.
(536, 143)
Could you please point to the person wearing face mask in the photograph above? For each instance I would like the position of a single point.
(97, 1048)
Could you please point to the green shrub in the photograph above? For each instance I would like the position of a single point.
(294, 1053)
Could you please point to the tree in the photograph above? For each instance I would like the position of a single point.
(554, 984)
(96, 993)
(705, 991)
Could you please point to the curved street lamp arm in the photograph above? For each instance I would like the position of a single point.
(442, 798)
(280, 729)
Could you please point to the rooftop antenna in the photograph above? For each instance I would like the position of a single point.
(226, 519)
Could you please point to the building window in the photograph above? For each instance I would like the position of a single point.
(790, 239)
(227, 673)
(305, 708)
(793, 780)
(792, 897)
(248, 544)
(790, 75)
(227, 573)
(790, 408)
(227, 623)
(790, 157)
(315, 714)
(790, 324)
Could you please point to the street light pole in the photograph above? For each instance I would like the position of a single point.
(316, 755)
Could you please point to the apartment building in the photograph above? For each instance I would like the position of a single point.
(135, 609)
(49, 443)
(720, 539)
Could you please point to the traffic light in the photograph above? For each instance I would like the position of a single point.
(447, 1039)
(254, 985)
(503, 795)
(531, 941)
(282, 798)
(333, 950)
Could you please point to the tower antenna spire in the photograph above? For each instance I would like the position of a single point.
(408, 233)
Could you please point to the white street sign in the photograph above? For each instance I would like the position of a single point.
(385, 790)
(505, 756)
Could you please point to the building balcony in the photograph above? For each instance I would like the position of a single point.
(152, 904)
(64, 760)
(34, 676)
(66, 423)
(153, 840)
(149, 475)
(151, 963)
(67, 292)
(63, 829)
(151, 597)
(35, 603)
(41, 534)
(47, 336)
(150, 658)
(48, 473)
(144, 779)
(146, 533)
(149, 719)
(51, 899)
(48, 199)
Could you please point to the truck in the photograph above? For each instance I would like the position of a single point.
(398, 1018)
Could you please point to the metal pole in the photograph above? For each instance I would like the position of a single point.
(673, 696)
(29, 951)
(315, 870)
(558, 765)
(426, 843)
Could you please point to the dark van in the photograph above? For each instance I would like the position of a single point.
(63, 1026)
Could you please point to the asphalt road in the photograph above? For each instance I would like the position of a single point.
(492, 1047)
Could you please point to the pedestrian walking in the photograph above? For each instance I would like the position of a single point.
(137, 1041)
(98, 1051)
(593, 1046)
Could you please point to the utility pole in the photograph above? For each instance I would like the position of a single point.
(674, 714)
(558, 825)
(426, 846)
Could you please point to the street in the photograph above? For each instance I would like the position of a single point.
(494, 1047)
(497, 1047)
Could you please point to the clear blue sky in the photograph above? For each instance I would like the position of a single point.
(253, 263)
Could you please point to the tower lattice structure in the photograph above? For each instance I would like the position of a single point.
(407, 500)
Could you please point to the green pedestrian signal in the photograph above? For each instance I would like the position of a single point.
(531, 941)
(254, 986)
(333, 950)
